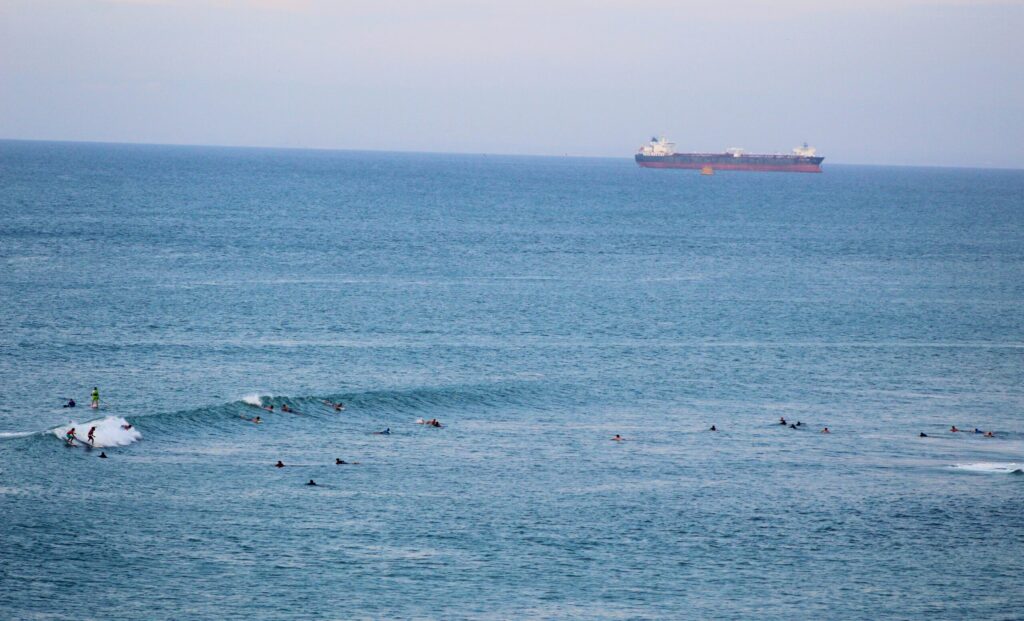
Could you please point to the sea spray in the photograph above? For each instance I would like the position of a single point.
(253, 399)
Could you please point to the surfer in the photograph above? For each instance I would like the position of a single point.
(792, 426)
(953, 429)
(311, 482)
(617, 438)
(126, 426)
(70, 403)
(279, 464)
(285, 408)
(268, 408)
(103, 455)
(92, 436)
(782, 420)
(95, 397)
(989, 434)
(386, 432)
(257, 420)
(339, 406)
(825, 430)
(976, 430)
(342, 462)
(70, 436)
(922, 435)
(713, 428)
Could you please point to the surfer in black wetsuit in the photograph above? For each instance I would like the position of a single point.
(311, 482)
(386, 432)
(922, 435)
(279, 464)
(70, 403)
(782, 421)
(103, 455)
(713, 428)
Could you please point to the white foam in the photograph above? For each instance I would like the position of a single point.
(253, 399)
(109, 432)
(989, 466)
(16, 434)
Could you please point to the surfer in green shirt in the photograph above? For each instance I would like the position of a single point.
(95, 397)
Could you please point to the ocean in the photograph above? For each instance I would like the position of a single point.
(536, 307)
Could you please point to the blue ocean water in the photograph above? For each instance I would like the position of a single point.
(536, 307)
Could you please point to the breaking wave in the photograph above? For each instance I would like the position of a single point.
(110, 432)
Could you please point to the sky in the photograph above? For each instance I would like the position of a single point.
(919, 82)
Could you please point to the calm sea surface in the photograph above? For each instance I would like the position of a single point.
(536, 307)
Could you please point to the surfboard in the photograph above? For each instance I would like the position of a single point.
(80, 443)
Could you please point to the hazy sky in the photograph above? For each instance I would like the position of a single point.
(866, 81)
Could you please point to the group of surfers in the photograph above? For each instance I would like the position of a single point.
(953, 429)
(337, 407)
(798, 424)
(337, 461)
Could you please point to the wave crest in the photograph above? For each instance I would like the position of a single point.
(994, 467)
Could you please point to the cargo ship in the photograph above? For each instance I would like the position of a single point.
(660, 153)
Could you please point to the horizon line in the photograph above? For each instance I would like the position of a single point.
(468, 153)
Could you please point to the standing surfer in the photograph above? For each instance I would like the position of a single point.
(95, 397)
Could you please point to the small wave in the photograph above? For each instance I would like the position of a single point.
(426, 402)
(994, 467)
(110, 431)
